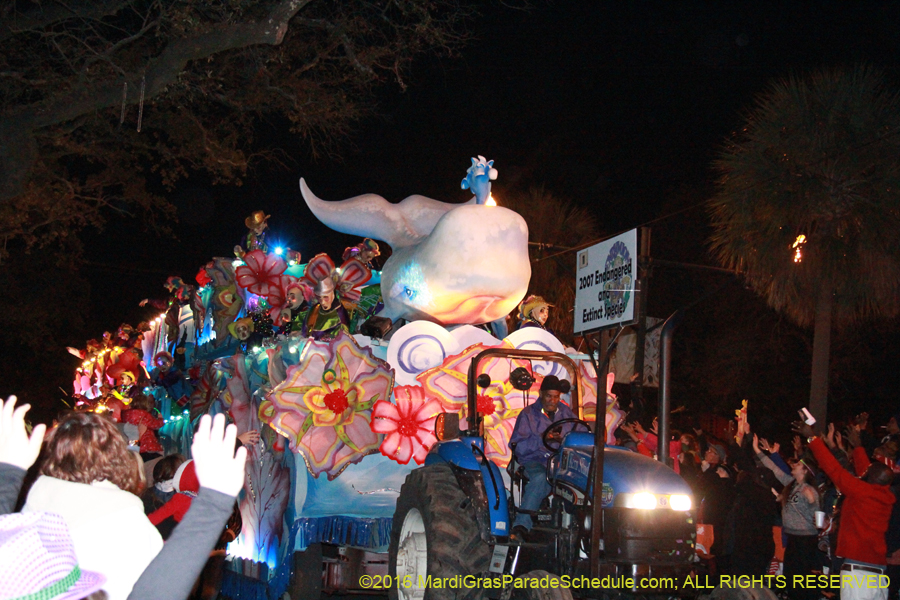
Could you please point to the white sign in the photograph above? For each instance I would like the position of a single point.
(604, 283)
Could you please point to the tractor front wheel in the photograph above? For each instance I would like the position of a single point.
(435, 538)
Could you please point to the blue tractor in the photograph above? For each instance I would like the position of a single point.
(451, 527)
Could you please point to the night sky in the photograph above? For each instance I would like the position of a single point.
(618, 106)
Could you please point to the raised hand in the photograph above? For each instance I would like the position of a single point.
(249, 438)
(828, 438)
(853, 436)
(629, 429)
(798, 445)
(756, 444)
(218, 466)
(16, 448)
(804, 430)
(743, 430)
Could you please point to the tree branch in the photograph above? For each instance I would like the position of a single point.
(45, 15)
(163, 70)
(18, 125)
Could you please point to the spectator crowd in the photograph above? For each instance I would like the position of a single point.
(82, 516)
(74, 505)
(825, 504)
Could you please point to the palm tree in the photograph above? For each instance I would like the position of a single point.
(553, 224)
(808, 204)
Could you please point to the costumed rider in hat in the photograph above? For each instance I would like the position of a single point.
(328, 316)
(295, 308)
(527, 444)
(533, 312)
(172, 379)
(129, 375)
(243, 330)
(366, 251)
(256, 237)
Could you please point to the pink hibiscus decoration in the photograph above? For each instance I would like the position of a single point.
(499, 403)
(408, 425)
(263, 275)
(324, 406)
(448, 381)
(349, 279)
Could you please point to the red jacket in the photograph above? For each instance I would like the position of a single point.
(187, 486)
(651, 441)
(149, 442)
(177, 507)
(865, 513)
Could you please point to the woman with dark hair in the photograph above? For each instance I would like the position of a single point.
(799, 503)
(163, 482)
(91, 479)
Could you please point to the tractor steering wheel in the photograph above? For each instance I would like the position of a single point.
(557, 425)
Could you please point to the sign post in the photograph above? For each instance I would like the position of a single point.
(604, 297)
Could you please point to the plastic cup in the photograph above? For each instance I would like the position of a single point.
(820, 519)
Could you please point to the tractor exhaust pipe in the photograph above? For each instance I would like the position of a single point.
(665, 403)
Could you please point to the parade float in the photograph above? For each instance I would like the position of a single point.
(341, 368)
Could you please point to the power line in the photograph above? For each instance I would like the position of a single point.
(840, 153)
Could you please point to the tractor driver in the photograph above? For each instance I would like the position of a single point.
(530, 450)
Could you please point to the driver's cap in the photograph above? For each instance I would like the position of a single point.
(551, 382)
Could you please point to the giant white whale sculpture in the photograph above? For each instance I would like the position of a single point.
(451, 263)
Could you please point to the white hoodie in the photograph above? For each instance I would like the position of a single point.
(108, 527)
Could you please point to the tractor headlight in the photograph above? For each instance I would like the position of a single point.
(649, 501)
(644, 500)
(680, 502)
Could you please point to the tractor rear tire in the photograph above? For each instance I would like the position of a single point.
(542, 589)
(435, 534)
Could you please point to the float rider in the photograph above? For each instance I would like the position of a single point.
(295, 308)
(244, 331)
(328, 316)
(534, 312)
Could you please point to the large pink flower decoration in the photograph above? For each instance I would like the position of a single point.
(408, 424)
(499, 403)
(263, 275)
(349, 279)
(324, 406)
(447, 382)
